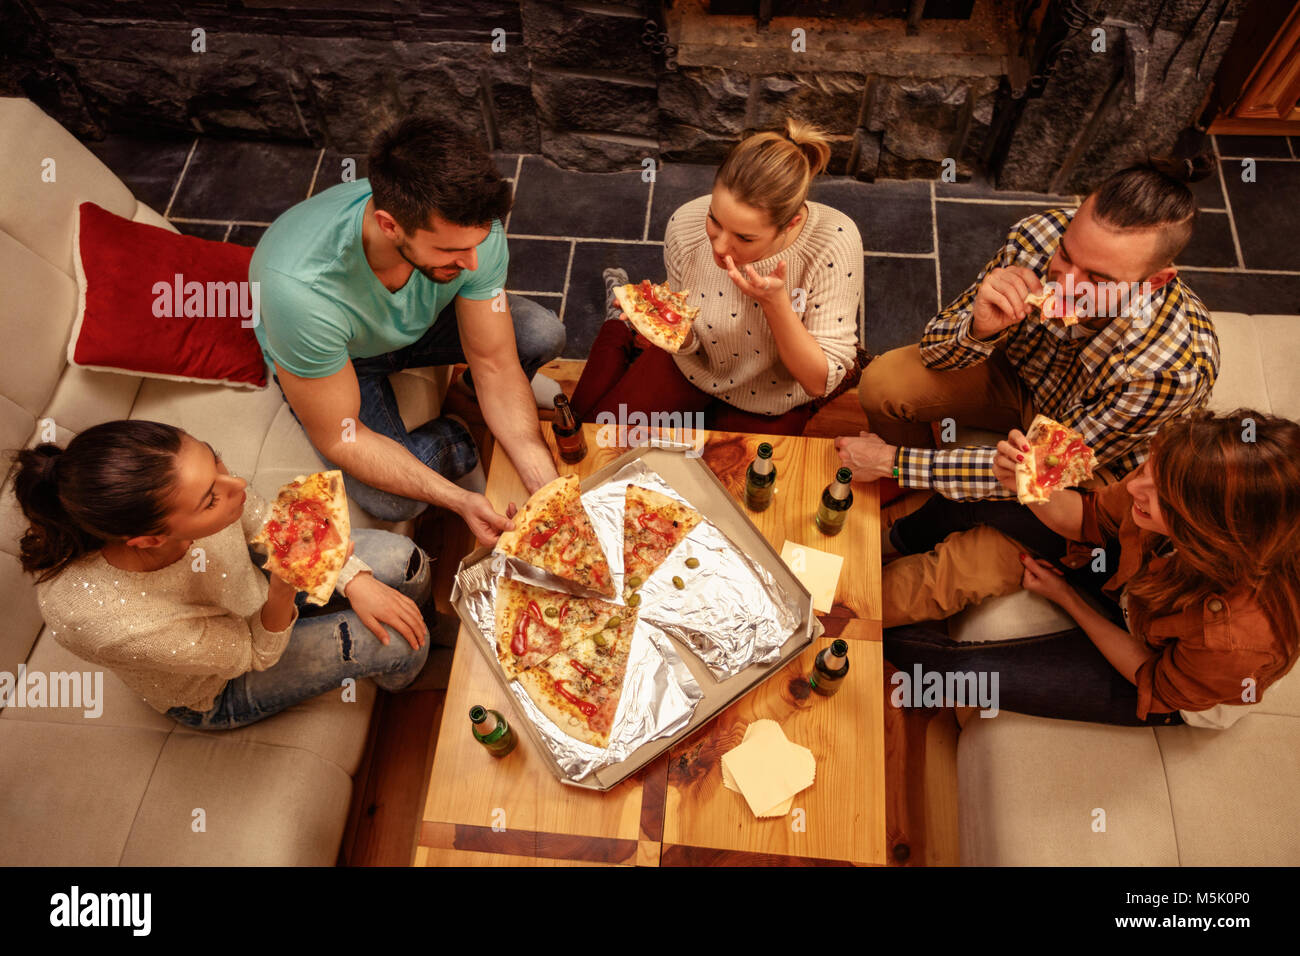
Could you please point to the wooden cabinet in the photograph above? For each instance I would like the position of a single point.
(1258, 86)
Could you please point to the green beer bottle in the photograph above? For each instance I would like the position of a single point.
(837, 499)
(492, 731)
(760, 480)
(830, 668)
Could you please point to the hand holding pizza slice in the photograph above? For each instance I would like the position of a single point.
(554, 533)
(1051, 304)
(308, 533)
(660, 314)
(1057, 458)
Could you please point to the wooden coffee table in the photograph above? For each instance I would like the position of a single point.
(480, 810)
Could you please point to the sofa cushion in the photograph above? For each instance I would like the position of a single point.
(1029, 789)
(262, 804)
(1279, 337)
(41, 215)
(71, 790)
(1241, 382)
(328, 726)
(135, 286)
(38, 304)
(1008, 616)
(1234, 794)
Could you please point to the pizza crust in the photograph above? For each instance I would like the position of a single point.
(1028, 491)
(565, 486)
(647, 327)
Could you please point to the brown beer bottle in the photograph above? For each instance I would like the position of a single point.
(568, 433)
(760, 479)
(830, 668)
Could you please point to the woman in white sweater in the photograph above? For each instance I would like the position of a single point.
(139, 540)
(778, 280)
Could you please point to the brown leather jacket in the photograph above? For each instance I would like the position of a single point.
(1206, 650)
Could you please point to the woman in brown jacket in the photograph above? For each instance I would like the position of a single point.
(1195, 602)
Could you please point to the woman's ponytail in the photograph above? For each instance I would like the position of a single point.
(812, 142)
(112, 482)
(773, 170)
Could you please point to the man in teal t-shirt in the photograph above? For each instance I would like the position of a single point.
(404, 270)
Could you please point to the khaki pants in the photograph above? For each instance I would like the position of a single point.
(962, 570)
(901, 397)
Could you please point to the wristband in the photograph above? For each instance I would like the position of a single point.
(896, 472)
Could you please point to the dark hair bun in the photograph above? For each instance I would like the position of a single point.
(1187, 170)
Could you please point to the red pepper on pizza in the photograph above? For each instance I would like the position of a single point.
(660, 314)
(1057, 458)
(569, 653)
(554, 533)
(653, 524)
(307, 533)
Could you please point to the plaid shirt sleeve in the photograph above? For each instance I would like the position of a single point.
(1119, 423)
(963, 474)
(948, 341)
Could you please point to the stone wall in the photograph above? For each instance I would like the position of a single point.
(603, 85)
(1101, 109)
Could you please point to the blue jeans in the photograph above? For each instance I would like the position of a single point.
(330, 643)
(443, 444)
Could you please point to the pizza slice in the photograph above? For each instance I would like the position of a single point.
(1057, 458)
(307, 533)
(653, 524)
(554, 533)
(533, 623)
(1050, 304)
(579, 687)
(660, 314)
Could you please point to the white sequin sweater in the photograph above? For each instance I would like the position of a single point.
(734, 354)
(175, 636)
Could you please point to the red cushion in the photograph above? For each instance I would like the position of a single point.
(133, 305)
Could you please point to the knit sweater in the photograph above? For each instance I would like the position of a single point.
(176, 635)
(734, 354)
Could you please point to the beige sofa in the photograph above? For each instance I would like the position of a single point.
(124, 788)
(1029, 789)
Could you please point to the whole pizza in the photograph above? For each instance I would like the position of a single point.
(554, 533)
(307, 533)
(660, 314)
(1057, 458)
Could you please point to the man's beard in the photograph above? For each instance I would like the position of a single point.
(426, 271)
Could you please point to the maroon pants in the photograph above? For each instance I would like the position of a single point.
(618, 373)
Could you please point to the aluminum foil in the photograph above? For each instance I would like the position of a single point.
(659, 692)
(731, 613)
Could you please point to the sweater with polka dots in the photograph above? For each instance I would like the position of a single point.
(734, 354)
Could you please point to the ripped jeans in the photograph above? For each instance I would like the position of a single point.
(329, 644)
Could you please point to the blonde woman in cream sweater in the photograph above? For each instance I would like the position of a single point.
(138, 538)
(778, 280)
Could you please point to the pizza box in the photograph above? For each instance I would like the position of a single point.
(691, 478)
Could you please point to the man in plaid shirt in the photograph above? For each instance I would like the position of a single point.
(990, 361)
